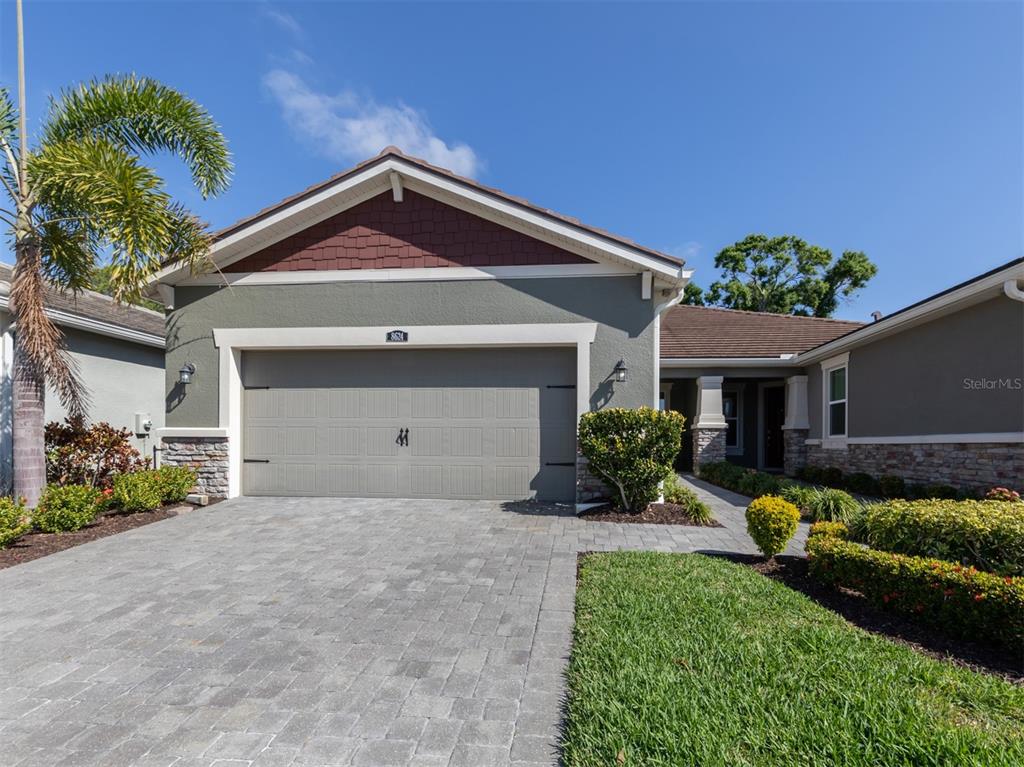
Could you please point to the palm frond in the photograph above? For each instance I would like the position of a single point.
(142, 115)
(41, 346)
(69, 247)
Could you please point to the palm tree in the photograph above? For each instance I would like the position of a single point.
(81, 196)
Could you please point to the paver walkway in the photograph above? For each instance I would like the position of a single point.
(273, 632)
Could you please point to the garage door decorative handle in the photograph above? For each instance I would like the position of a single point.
(403, 438)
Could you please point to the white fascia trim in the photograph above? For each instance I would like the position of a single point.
(97, 326)
(434, 274)
(233, 341)
(1005, 437)
(553, 226)
(188, 431)
(938, 306)
(783, 360)
(425, 182)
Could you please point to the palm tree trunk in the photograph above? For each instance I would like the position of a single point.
(29, 401)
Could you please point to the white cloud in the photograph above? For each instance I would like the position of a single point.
(285, 21)
(349, 128)
(686, 251)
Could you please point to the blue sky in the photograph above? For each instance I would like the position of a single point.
(892, 128)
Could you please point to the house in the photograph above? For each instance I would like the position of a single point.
(933, 393)
(400, 331)
(119, 351)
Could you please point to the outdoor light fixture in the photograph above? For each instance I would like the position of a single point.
(185, 374)
(620, 371)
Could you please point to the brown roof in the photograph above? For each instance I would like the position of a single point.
(700, 332)
(392, 151)
(96, 306)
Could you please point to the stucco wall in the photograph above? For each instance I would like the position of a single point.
(919, 381)
(625, 320)
(123, 379)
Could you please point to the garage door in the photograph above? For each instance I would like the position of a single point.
(496, 423)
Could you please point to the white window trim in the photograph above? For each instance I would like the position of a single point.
(736, 389)
(233, 341)
(834, 441)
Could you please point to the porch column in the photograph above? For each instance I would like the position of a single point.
(796, 427)
(709, 426)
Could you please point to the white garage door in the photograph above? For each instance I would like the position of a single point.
(487, 424)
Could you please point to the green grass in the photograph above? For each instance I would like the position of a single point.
(681, 659)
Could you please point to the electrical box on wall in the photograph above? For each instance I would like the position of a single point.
(143, 424)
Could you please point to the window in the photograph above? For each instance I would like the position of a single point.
(837, 402)
(731, 411)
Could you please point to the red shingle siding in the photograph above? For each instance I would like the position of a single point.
(416, 233)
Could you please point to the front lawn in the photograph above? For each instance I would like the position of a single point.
(681, 659)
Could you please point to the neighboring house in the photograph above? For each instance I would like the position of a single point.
(399, 331)
(119, 351)
(933, 393)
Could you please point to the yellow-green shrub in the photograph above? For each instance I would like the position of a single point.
(832, 529)
(15, 520)
(63, 508)
(771, 522)
(955, 599)
(632, 450)
(986, 534)
(139, 491)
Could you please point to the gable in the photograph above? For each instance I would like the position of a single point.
(417, 233)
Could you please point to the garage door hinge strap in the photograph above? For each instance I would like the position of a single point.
(255, 460)
(560, 463)
(561, 386)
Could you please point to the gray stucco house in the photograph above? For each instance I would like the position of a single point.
(401, 331)
(119, 351)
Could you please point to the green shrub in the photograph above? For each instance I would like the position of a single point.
(63, 508)
(985, 534)
(15, 520)
(800, 496)
(740, 480)
(674, 492)
(955, 599)
(771, 522)
(175, 482)
(757, 483)
(632, 450)
(811, 474)
(137, 492)
(833, 529)
(830, 505)
(892, 487)
(832, 476)
(862, 484)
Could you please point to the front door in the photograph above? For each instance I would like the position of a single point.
(773, 402)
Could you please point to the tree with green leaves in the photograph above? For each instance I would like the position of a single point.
(783, 275)
(80, 196)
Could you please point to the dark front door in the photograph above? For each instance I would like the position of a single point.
(774, 404)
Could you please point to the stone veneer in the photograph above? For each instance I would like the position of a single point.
(969, 465)
(589, 486)
(708, 446)
(208, 456)
(794, 443)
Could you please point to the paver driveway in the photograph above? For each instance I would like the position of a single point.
(314, 632)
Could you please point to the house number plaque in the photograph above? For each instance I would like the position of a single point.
(397, 336)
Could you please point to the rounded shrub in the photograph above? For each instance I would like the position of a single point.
(175, 482)
(15, 520)
(137, 492)
(771, 522)
(1003, 494)
(832, 529)
(63, 508)
(892, 487)
(632, 450)
(862, 484)
(798, 495)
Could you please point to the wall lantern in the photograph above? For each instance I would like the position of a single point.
(620, 371)
(185, 374)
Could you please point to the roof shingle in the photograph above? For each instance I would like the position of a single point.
(96, 306)
(689, 332)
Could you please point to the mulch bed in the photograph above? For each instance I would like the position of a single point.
(655, 514)
(793, 572)
(36, 545)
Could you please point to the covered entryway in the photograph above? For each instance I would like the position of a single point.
(410, 423)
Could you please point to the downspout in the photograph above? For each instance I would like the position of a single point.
(1012, 290)
(675, 295)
